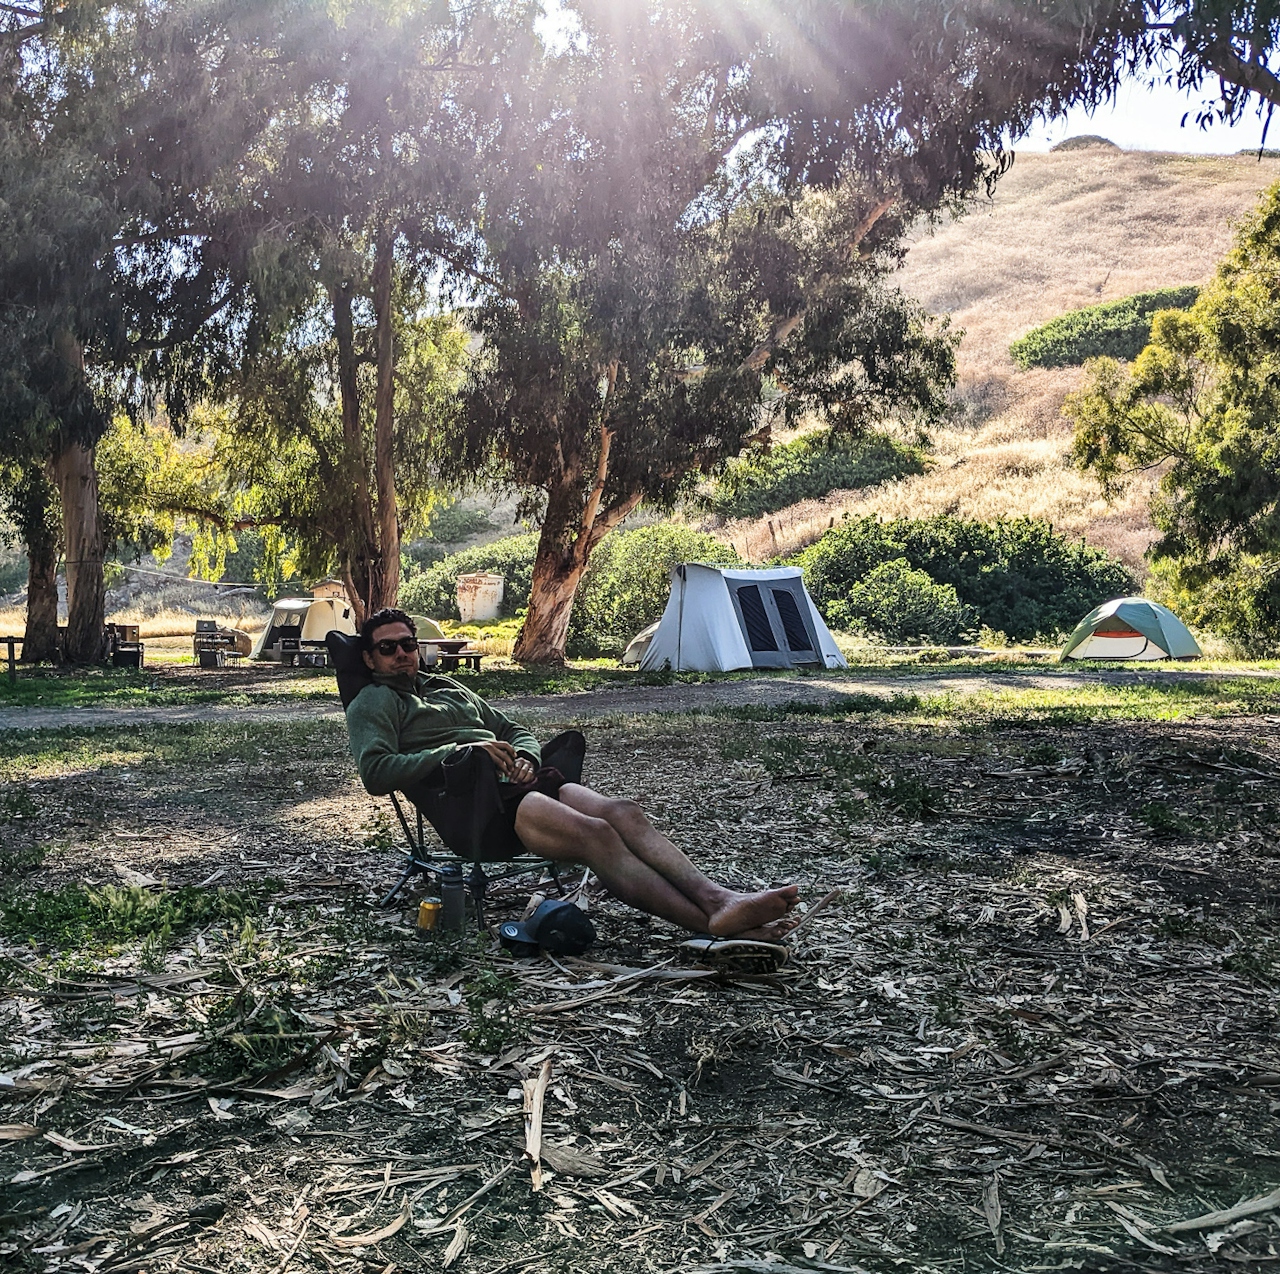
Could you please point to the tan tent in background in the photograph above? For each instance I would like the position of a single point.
(308, 618)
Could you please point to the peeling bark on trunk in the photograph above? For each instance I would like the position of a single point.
(40, 533)
(571, 529)
(546, 626)
(386, 586)
(77, 482)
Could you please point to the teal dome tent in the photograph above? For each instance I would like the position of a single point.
(1131, 628)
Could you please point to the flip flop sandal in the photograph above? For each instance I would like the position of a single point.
(737, 955)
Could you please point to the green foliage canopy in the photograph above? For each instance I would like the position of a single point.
(1117, 329)
(808, 468)
(626, 586)
(1202, 400)
(1020, 576)
(280, 442)
(624, 589)
(897, 603)
(433, 591)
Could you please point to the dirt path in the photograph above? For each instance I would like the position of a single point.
(764, 691)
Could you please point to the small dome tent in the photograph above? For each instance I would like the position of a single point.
(1131, 628)
(719, 619)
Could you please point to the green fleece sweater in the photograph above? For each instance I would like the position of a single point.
(401, 728)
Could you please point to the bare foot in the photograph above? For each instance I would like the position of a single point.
(741, 912)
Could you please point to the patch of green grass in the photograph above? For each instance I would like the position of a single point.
(114, 687)
(1256, 959)
(1043, 753)
(910, 796)
(251, 1033)
(858, 780)
(1172, 700)
(492, 1023)
(77, 915)
(17, 806)
(1191, 929)
(30, 754)
(1165, 823)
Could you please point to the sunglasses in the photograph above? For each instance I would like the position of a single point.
(389, 645)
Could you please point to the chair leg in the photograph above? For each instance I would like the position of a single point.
(478, 887)
(413, 869)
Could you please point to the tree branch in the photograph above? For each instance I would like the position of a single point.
(782, 332)
(480, 276)
(187, 333)
(584, 542)
(19, 35)
(1257, 78)
(611, 516)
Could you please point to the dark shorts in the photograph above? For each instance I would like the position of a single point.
(479, 821)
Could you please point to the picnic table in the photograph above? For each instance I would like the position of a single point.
(453, 653)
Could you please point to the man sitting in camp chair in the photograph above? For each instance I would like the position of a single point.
(408, 724)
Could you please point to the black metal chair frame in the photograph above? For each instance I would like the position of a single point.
(446, 864)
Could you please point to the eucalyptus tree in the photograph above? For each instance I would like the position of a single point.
(691, 215)
(1198, 406)
(329, 416)
(121, 133)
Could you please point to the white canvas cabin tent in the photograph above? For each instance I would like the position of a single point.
(308, 618)
(720, 619)
(1131, 628)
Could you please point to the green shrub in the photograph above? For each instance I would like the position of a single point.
(1020, 576)
(808, 468)
(1118, 329)
(1235, 595)
(451, 524)
(898, 603)
(76, 914)
(627, 582)
(433, 592)
(13, 571)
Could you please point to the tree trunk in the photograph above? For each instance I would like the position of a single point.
(77, 482)
(555, 584)
(358, 539)
(387, 581)
(39, 530)
(571, 529)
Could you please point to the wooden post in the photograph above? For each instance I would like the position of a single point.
(13, 663)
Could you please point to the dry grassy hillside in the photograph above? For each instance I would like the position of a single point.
(1063, 231)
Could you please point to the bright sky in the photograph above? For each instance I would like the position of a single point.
(1145, 118)
(1141, 117)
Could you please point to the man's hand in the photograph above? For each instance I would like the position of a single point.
(516, 768)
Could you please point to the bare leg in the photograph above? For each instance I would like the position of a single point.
(558, 831)
(727, 911)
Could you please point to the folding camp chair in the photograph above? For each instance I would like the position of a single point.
(464, 828)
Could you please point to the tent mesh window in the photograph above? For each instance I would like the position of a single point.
(792, 624)
(759, 630)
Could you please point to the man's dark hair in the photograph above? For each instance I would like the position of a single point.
(379, 618)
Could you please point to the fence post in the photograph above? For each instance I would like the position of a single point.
(13, 663)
